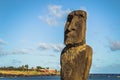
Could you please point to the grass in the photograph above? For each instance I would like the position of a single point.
(24, 73)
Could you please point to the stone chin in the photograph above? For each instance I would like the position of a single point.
(71, 41)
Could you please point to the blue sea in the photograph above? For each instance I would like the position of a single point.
(92, 77)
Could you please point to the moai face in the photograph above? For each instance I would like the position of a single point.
(75, 27)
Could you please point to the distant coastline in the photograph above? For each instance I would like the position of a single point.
(34, 74)
(16, 73)
(25, 71)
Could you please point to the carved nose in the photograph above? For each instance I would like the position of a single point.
(71, 27)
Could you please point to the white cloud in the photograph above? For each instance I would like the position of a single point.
(56, 10)
(55, 47)
(21, 51)
(55, 13)
(44, 46)
(51, 21)
(114, 45)
(2, 41)
(4, 52)
(15, 51)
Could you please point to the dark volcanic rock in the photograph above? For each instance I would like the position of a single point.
(76, 57)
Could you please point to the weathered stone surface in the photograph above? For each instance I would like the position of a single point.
(76, 57)
(75, 28)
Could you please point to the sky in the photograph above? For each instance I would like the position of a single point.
(32, 32)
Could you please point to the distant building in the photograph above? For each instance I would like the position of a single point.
(48, 70)
(52, 71)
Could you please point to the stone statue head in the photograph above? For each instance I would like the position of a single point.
(75, 28)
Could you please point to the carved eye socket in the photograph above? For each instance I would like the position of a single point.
(81, 15)
(69, 18)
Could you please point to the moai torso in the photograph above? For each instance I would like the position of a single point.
(76, 57)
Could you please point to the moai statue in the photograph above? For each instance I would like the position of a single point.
(76, 57)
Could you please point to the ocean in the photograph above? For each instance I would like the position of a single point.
(91, 77)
